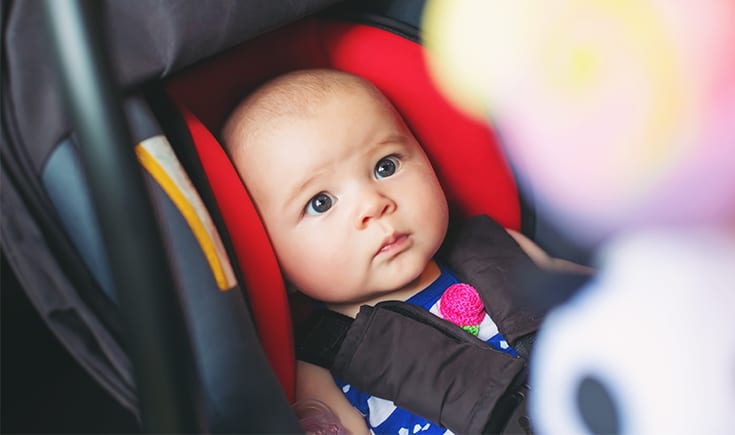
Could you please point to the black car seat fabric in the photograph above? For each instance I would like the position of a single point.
(230, 369)
(466, 155)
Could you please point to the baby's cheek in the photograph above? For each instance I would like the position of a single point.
(324, 272)
(431, 210)
(297, 261)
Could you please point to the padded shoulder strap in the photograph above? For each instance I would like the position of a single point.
(463, 384)
(482, 253)
(460, 381)
(517, 294)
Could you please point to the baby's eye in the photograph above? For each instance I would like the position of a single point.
(386, 167)
(319, 203)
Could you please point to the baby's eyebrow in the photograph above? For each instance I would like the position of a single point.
(393, 138)
(296, 189)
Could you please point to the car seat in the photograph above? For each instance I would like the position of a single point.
(465, 153)
(49, 224)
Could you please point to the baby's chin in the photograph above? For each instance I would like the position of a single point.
(343, 291)
(396, 284)
(352, 307)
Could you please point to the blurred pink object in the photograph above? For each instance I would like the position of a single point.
(316, 418)
(617, 115)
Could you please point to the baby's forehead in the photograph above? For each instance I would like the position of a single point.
(299, 97)
(279, 110)
(295, 97)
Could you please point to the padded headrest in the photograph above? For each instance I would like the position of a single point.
(465, 153)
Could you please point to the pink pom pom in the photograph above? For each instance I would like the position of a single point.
(461, 305)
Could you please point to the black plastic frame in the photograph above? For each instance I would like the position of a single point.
(162, 356)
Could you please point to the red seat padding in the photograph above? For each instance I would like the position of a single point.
(465, 153)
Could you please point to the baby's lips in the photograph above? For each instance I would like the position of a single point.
(389, 241)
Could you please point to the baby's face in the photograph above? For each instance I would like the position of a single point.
(351, 203)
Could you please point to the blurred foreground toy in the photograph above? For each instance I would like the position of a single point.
(619, 116)
(618, 113)
(648, 347)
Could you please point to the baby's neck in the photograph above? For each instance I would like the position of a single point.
(430, 273)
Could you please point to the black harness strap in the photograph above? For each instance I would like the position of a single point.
(320, 337)
(483, 254)
(446, 375)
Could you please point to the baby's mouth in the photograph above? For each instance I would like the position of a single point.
(393, 244)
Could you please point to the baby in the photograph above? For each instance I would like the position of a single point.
(353, 209)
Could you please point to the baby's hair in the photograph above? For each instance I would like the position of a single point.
(296, 93)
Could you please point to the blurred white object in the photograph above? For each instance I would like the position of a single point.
(648, 346)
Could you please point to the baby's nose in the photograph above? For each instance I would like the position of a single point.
(373, 206)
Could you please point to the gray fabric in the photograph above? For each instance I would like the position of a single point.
(58, 302)
(65, 184)
(240, 390)
(66, 187)
(148, 39)
(141, 121)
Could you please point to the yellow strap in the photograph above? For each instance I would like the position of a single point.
(222, 272)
